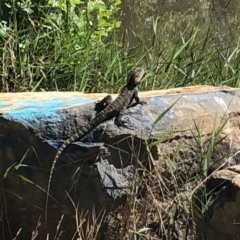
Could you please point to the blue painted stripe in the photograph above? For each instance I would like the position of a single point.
(31, 109)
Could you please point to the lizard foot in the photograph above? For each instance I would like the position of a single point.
(142, 102)
(136, 103)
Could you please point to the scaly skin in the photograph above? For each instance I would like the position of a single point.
(110, 109)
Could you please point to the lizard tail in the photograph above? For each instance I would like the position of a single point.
(64, 145)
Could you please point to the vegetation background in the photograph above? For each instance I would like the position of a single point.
(74, 45)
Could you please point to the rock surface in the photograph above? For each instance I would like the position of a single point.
(98, 171)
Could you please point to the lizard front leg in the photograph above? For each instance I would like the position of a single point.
(137, 99)
(121, 119)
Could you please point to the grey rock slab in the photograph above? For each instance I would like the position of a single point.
(33, 126)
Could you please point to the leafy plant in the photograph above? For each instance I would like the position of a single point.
(55, 44)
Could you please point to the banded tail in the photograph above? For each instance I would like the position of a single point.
(60, 150)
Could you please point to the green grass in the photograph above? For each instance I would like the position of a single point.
(64, 49)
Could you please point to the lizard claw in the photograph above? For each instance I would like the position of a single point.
(142, 102)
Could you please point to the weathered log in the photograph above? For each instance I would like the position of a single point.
(98, 170)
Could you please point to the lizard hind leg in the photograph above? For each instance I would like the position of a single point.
(102, 104)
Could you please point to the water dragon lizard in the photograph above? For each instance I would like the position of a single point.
(108, 109)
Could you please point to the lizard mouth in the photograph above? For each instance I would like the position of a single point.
(138, 72)
(134, 77)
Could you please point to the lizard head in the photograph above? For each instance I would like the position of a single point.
(135, 76)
